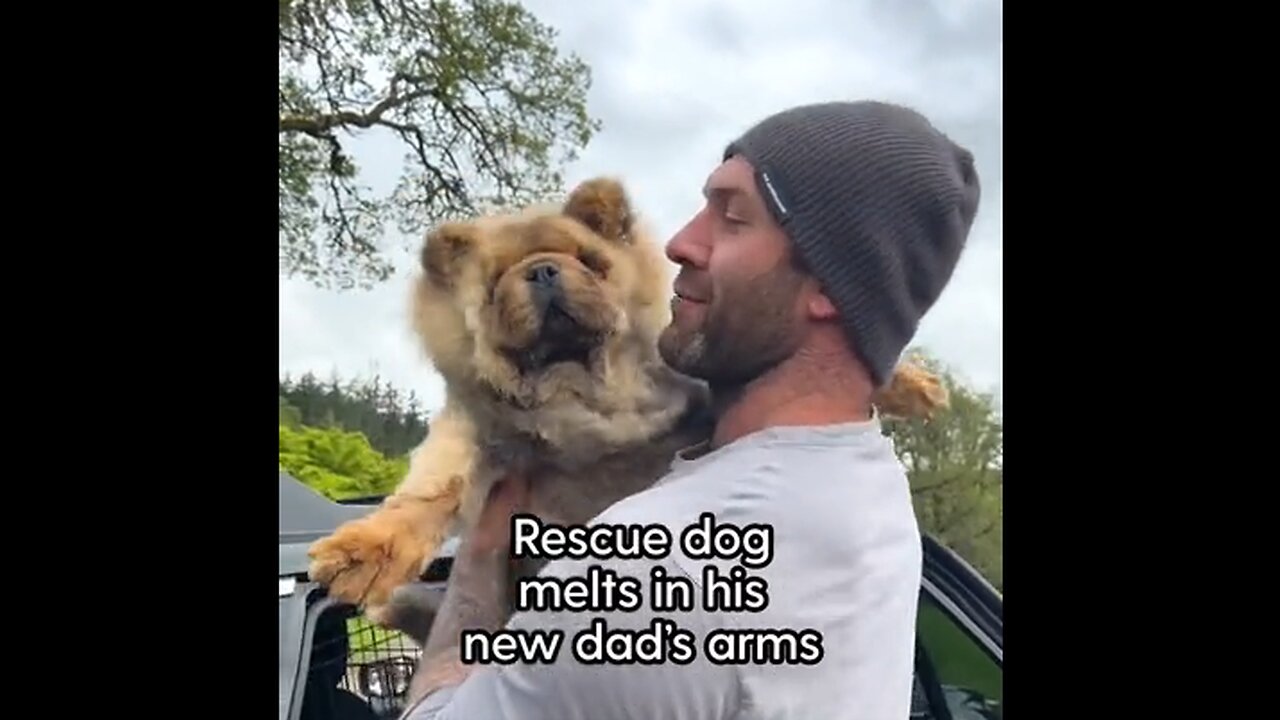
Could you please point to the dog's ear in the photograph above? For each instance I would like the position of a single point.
(444, 251)
(602, 205)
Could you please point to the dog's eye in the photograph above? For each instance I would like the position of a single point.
(594, 261)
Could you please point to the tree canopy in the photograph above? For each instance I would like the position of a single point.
(392, 421)
(486, 108)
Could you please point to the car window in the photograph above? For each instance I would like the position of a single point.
(954, 670)
(357, 671)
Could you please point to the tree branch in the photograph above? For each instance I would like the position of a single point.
(319, 124)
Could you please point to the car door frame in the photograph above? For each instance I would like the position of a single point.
(971, 603)
(965, 595)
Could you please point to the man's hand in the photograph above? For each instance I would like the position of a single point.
(476, 596)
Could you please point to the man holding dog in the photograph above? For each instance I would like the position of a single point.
(828, 231)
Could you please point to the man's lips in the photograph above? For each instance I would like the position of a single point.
(685, 296)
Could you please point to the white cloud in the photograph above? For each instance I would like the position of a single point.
(674, 80)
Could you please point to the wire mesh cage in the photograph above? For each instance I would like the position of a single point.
(358, 670)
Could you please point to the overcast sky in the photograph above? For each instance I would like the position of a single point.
(674, 80)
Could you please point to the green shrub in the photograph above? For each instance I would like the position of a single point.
(338, 463)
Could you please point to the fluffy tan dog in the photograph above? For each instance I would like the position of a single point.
(544, 326)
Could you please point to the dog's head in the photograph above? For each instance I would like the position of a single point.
(542, 302)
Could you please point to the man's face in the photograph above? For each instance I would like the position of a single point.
(739, 306)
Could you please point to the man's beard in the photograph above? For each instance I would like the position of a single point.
(748, 329)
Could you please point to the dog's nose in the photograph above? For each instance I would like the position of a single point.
(544, 285)
(543, 274)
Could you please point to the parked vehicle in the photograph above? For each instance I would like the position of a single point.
(334, 666)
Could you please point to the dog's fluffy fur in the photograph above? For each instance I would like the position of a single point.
(575, 397)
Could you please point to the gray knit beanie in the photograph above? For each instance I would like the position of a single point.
(878, 204)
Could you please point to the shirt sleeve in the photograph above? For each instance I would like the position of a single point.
(571, 689)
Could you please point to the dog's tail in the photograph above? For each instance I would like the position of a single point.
(913, 393)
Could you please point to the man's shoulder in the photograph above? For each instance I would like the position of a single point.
(765, 461)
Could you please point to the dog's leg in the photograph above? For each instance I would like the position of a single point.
(364, 560)
(412, 610)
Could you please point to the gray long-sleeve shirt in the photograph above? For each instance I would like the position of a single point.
(846, 563)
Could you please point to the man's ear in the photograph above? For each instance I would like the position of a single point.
(445, 250)
(819, 306)
(603, 206)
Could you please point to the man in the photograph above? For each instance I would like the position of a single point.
(828, 231)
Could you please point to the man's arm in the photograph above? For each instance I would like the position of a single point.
(569, 689)
(474, 598)
(564, 689)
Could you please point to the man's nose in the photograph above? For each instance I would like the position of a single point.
(690, 246)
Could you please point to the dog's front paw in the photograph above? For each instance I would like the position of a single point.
(363, 561)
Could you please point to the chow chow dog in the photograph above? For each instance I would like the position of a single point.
(544, 325)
